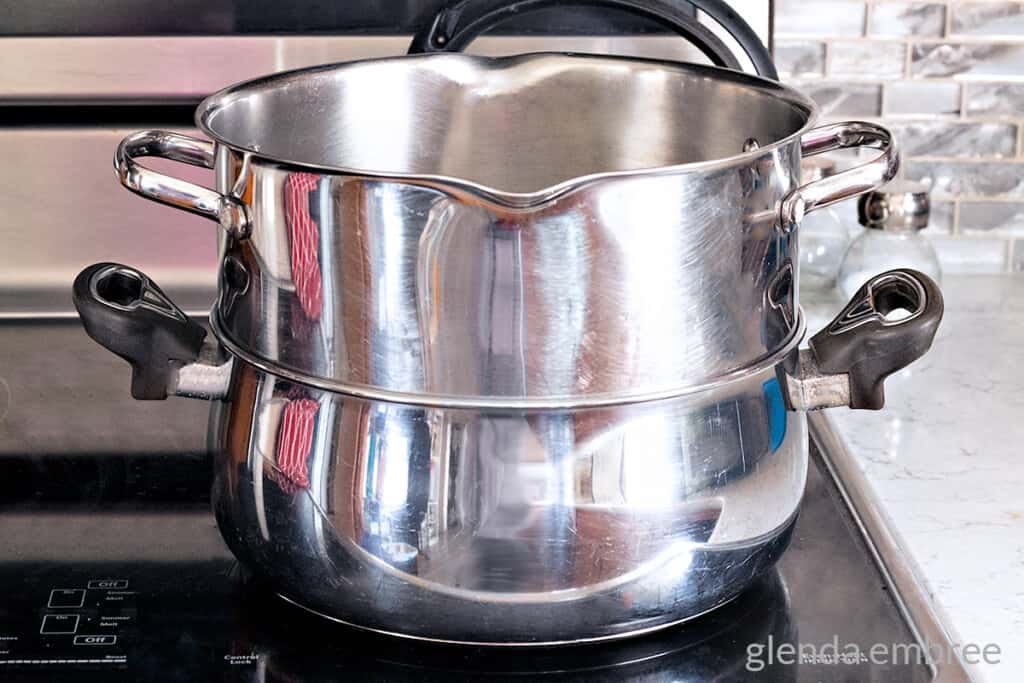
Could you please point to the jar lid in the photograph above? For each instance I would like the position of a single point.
(900, 206)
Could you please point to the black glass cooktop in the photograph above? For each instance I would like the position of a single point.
(111, 569)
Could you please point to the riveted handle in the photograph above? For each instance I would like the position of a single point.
(850, 183)
(461, 22)
(232, 214)
(867, 342)
(126, 312)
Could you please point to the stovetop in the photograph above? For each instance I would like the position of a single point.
(111, 568)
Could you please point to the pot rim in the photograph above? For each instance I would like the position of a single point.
(513, 403)
(223, 98)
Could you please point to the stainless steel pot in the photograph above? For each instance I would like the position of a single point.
(508, 525)
(547, 229)
(507, 349)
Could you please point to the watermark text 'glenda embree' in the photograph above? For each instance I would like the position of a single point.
(760, 655)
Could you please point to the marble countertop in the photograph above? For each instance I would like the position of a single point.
(945, 458)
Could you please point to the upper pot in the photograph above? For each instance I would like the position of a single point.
(544, 228)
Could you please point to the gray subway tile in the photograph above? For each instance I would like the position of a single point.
(920, 19)
(819, 18)
(865, 59)
(1017, 262)
(847, 212)
(796, 58)
(987, 18)
(963, 255)
(992, 217)
(844, 99)
(956, 139)
(988, 59)
(940, 219)
(957, 178)
(995, 99)
(922, 97)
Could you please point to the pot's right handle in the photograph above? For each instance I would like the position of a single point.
(850, 183)
(124, 311)
(232, 214)
(848, 361)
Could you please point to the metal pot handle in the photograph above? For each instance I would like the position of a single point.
(850, 183)
(846, 363)
(461, 22)
(232, 214)
(123, 310)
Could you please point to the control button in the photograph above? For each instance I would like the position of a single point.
(95, 640)
(54, 624)
(67, 597)
(109, 584)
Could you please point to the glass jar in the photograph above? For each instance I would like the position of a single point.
(894, 217)
(824, 236)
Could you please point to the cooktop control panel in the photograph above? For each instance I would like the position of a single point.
(89, 623)
(119, 621)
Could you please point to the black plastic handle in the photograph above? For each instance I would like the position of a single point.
(461, 22)
(865, 344)
(123, 310)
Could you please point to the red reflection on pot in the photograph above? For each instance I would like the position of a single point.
(305, 236)
(294, 443)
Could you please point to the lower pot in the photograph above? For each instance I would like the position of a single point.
(507, 524)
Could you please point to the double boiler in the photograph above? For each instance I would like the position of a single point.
(505, 350)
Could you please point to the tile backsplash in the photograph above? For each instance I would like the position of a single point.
(947, 76)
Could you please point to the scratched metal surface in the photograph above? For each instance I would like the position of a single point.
(466, 248)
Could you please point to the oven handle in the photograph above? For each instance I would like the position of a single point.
(231, 213)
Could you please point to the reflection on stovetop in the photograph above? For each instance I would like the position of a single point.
(98, 482)
(700, 651)
(113, 570)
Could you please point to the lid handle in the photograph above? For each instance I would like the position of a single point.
(461, 22)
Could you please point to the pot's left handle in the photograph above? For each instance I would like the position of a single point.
(124, 311)
(232, 214)
(887, 325)
(850, 183)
